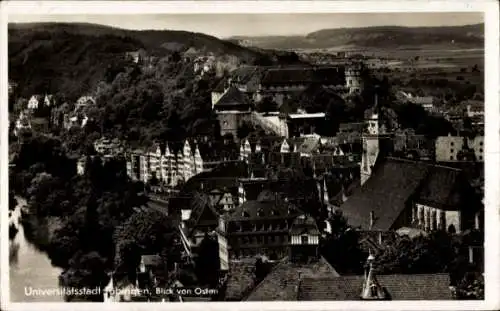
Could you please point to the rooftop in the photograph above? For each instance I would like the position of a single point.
(394, 182)
(398, 286)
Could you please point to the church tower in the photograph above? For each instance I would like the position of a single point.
(371, 142)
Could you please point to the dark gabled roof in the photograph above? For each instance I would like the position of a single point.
(233, 97)
(398, 286)
(264, 209)
(199, 203)
(304, 224)
(445, 188)
(220, 87)
(306, 75)
(244, 74)
(396, 181)
(385, 193)
(240, 280)
(253, 188)
(281, 283)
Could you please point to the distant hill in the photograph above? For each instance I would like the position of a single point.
(73, 58)
(468, 36)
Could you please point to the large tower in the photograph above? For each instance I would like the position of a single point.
(353, 77)
(371, 143)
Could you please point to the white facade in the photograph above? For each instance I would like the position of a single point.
(168, 167)
(447, 147)
(33, 102)
(430, 218)
(305, 239)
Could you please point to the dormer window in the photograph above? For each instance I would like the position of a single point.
(260, 212)
(245, 214)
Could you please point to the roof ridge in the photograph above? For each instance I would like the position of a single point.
(323, 259)
(282, 263)
(429, 164)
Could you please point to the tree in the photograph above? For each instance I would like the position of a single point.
(471, 287)
(262, 269)
(87, 271)
(12, 201)
(148, 232)
(207, 262)
(343, 240)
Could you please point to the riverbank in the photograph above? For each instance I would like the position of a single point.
(29, 267)
(39, 231)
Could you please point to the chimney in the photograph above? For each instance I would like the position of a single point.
(372, 219)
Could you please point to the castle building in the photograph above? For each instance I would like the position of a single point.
(232, 109)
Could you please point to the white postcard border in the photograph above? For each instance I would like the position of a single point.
(492, 137)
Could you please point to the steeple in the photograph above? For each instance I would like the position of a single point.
(371, 288)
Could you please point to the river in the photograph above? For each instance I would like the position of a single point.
(30, 268)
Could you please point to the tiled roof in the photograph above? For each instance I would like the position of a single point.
(199, 203)
(293, 75)
(254, 188)
(442, 188)
(385, 193)
(264, 210)
(303, 224)
(244, 73)
(282, 282)
(240, 279)
(233, 97)
(395, 181)
(398, 286)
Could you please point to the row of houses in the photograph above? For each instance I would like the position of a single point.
(163, 164)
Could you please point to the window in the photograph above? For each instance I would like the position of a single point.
(304, 239)
(480, 143)
(481, 150)
(480, 158)
(452, 144)
(451, 158)
(451, 150)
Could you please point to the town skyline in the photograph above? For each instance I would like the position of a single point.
(258, 25)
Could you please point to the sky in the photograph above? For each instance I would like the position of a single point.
(227, 25)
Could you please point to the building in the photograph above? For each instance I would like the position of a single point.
(403, 193)
(456, 149)
(318, 282)
(167, 166)
(106, 146)
(39, 101)
(203, 218)
(85, 101)
(259, 227)
(373, 287)
(354, 79)
(22, 123)
(232, 109)
(303, 124)
(475, 109)
(413, 146)
(426, 102)
(296, 79)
